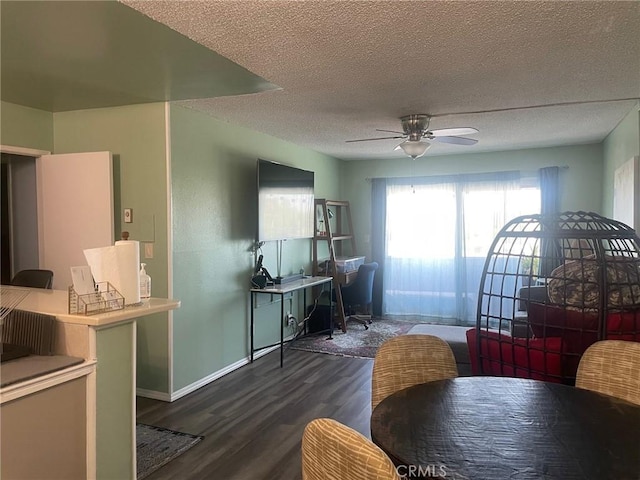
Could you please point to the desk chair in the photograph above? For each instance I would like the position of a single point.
(33, 278)
(611, 367)
(331, 450)
(359, 293)
(407, 360)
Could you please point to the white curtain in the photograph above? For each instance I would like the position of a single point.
(438, 233)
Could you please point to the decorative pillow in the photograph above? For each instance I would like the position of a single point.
(555, 321)
(576, 283)
(501, 355)
(624, 326)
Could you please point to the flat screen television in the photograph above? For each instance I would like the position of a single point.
(285, 202)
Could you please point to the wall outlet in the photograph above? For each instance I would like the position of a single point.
(290, 319)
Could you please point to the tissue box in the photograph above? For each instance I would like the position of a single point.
(348, 264)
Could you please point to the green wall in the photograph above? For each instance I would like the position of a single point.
(205, 248)
(26, 127)
(213, 171)
(621, 144)
(580, 183)
(212, 196)
(135, 135)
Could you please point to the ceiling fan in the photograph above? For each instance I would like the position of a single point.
(416, 129)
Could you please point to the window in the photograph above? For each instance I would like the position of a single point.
(438, 233)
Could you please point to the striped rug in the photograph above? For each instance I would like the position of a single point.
(155, 447)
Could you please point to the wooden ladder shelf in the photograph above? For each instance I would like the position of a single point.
(334, 226)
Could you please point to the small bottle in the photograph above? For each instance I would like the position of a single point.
(145, 283)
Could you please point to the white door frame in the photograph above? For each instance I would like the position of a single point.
(24, 152)
(27, 152)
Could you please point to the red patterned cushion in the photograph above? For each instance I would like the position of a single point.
(502, 355)
(624, 326)
(578, 330)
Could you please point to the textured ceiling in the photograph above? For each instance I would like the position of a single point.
(525, 73)
(347, 68)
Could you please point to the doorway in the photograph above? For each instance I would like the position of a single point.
(5, 241)
(19, 221)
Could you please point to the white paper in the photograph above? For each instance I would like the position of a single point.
(82, 280)
(118, 265)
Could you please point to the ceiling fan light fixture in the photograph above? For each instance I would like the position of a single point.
(415, 148)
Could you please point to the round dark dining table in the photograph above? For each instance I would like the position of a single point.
(508, 428)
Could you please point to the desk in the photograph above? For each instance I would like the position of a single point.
(499, 427)
(281, 290)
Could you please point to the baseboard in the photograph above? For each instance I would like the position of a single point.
(165, 397)
(154, 394)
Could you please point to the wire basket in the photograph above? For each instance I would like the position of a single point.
(105, 299)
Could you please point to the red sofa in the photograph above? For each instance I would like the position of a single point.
(502, 355)
(559, 338)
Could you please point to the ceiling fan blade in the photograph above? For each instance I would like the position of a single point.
(455, 140)
(453, 131)
(370, 139)
(390, 131)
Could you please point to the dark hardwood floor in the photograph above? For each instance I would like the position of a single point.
(252, 419)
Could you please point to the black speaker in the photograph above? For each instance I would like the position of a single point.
(259, 281)
(319, 318)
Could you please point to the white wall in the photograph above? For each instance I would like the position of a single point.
(622, 144)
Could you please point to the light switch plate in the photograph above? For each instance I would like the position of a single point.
(128, 215)
(148, 250)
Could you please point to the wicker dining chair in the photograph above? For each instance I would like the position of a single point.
(331, 450)
(408, 360)
(611, 367)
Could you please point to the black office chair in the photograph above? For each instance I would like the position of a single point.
(33, 278)
(358, 295)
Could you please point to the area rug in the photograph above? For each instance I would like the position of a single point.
(357, 342)
(155, 447)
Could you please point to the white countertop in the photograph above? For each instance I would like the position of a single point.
(56, 302)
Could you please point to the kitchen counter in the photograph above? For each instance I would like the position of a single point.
(56, 302)
(83, 412)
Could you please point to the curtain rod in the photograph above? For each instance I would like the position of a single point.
(369, 179)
